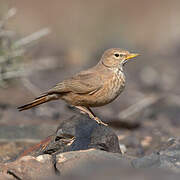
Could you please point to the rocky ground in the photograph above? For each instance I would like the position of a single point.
(81, 148)
(54, 141)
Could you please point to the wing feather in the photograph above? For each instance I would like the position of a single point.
(82, 83)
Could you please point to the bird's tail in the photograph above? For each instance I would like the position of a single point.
(40, 100)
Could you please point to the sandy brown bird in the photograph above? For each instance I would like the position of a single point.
(93, 87)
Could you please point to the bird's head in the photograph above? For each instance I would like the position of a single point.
(116, 58)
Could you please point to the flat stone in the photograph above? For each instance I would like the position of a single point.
(70, 161)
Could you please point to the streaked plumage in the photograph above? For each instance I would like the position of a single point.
(94, 87)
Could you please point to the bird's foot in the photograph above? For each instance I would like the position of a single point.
(99, 121)
(88, 111)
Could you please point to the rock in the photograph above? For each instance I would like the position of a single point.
(78, 165)
(167, 158)
(77, 133)
(71, 161)
(101, 165)
(29, 167)
(85, 149)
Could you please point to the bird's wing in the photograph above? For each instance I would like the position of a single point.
(82, 83)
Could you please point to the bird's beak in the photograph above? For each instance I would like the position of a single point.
(131, 55)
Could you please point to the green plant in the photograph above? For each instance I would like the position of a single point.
(12, 50)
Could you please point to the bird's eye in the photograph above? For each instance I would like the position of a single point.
(116, 54)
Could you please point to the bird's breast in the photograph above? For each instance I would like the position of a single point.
(112, 88)
(116, 85)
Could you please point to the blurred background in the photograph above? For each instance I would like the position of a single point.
(42, 42)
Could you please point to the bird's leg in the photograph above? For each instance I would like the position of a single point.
(96, 118)
(90, 113)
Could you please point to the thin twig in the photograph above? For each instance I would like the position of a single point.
(11, 57)
(32, 37)
(12, 74)
(11, 12)
(26, 69)
(7, 33)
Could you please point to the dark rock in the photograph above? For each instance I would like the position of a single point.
(168, 157)
(78, 133)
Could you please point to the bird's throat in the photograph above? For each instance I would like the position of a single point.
(114, 68)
